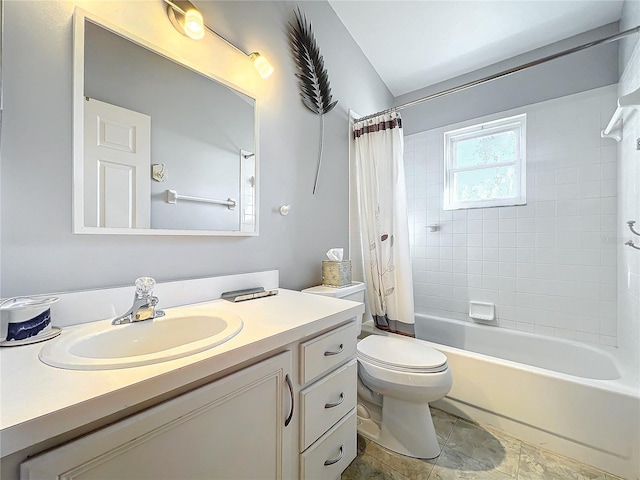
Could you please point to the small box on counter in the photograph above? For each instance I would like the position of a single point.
(336, 274)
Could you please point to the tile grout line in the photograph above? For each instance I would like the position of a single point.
(519, 460)
(364, 452)
(564, 457)
(386, 465)
(433, 465)
(446, 441)
(493, 467)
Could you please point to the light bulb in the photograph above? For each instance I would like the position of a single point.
(193, 24)
(186, 18)
(262, 65)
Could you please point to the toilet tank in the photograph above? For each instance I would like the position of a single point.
(353, 292)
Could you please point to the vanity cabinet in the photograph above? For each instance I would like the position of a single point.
(328, 376)
(231, 428)
(289, 416)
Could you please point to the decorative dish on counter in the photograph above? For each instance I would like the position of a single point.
(26, 320)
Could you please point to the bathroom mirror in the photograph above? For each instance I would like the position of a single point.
(159, 147)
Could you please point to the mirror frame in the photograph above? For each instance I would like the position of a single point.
(80, 16)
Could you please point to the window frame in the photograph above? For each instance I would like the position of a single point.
(517, 124)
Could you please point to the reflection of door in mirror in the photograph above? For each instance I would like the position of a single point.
(117, 158)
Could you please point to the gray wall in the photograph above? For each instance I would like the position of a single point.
(39, 252)
(586, 70)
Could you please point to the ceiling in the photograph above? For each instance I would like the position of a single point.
(414, 44)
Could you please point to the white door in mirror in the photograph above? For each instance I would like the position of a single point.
(117, 155)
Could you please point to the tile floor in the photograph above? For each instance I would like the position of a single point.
(469, 451)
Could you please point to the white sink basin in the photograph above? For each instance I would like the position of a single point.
(101, 345)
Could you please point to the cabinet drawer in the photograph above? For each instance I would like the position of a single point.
(321, 354)
(327, 401)
(332, 454)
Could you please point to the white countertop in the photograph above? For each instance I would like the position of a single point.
(38, 402)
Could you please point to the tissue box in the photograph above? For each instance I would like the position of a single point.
(336, 274)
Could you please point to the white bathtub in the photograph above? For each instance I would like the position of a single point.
(564, 396)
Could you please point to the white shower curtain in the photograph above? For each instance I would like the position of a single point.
(382, 202)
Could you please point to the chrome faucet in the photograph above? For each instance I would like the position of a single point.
(144, 304)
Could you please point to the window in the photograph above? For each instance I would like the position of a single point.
(485, 165)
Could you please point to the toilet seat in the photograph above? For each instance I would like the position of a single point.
(402, 355)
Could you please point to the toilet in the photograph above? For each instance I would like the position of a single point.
(397, 379)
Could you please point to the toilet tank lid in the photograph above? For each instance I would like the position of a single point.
(403, 353)
(337, 292)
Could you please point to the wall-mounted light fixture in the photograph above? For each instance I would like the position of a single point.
(189, 21)
(262, 65)
(186, 18)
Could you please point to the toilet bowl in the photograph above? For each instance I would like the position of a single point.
(397, 378)
(403, 376)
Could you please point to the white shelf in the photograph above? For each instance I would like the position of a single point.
(626, 102)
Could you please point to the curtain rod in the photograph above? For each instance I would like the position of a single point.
(612, 38)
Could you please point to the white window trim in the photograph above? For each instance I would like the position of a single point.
(517, 124)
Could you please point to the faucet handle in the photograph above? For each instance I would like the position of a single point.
(144, 287)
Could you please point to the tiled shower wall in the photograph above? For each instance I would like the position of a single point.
(549, 266)
(629, 209)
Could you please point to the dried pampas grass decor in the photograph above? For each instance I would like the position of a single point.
(313, 78)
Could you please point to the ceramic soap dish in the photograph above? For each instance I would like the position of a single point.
(26, 320)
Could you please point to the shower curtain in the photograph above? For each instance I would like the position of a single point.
(384, 231)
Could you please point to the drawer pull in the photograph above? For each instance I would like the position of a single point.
(334, 352)
(335, 460)
(288, 380)
(332, 405)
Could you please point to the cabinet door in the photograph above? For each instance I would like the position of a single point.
(231, 428)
